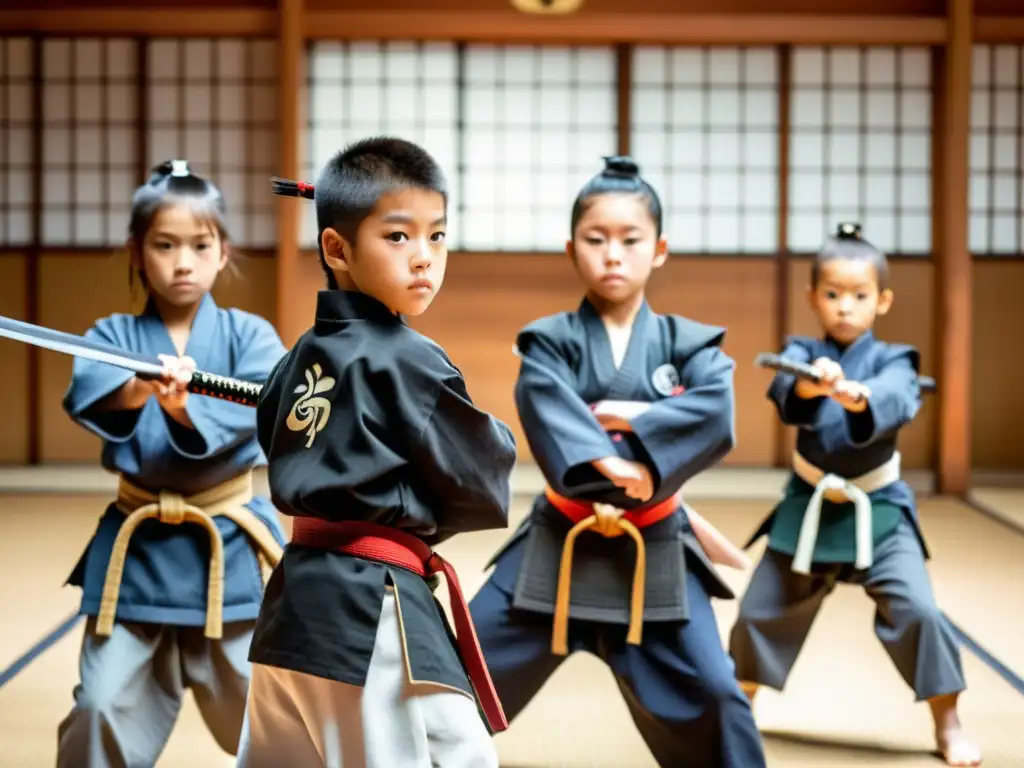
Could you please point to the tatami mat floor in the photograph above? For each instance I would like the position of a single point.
(1006, 504)
(845, 704)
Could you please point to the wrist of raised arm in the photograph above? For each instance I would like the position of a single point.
(132, 396)
(806, 390)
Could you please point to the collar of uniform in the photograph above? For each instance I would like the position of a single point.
(334, 306)
(206, 303)
(864, 339)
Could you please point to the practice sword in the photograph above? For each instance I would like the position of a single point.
(143, 366)
(809, 373)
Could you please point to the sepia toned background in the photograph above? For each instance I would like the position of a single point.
(761, 122)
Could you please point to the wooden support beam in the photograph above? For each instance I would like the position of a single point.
(290, 69)
(782, 234)
(490, 26)
(35, 407)
(652, 28)
(999, 29)
(155, 22)
(938, 184)
(953, 283)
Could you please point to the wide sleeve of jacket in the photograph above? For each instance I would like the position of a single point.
(463, 457)
(895, 396)
(563, 434)
(685, 434)
(92, 382)
(218, 424)
(793, 410)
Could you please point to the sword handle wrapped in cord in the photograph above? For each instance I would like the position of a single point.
(807, 371)
(225, 388)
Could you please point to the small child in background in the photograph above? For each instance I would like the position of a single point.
(847, 514)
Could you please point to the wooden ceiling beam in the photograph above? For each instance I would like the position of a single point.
(154, 22)
(999, 29)
(730, 29)
(506, 27)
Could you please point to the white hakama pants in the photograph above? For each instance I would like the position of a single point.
(298, 720)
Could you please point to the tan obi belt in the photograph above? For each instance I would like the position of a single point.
(840, 489)
(225, 500)
(585, 517)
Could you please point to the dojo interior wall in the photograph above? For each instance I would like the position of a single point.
(489, 295)
(75, 288)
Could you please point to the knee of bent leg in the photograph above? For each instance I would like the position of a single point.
(720, 686)
(459, 738)
(99, 702)
(923, 615)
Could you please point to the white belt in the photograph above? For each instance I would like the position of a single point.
(855, 490)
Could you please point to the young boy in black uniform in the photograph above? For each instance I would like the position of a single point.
(377, 451)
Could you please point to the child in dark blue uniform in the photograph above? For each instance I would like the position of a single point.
(621, 406)
(847, 516)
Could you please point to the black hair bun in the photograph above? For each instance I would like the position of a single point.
(621, 166)
(176, 168)
(177, 176)
(848, 230)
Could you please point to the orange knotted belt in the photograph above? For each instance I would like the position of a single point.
(585, 517)
(382, 544)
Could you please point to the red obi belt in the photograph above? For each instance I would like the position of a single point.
(382, 544)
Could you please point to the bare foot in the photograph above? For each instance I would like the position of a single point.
(957, 748)
(954, 744)
(749, 689)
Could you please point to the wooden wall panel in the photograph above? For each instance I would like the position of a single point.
(249, 286)
(736, 293)
(910, 322)
(74, 290)
(998, 365)
(487, 298)
(98, 284)
(13, 363)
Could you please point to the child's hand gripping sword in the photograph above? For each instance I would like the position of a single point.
(810, 373)
(143, 366)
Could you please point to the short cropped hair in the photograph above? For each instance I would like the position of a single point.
(355, 179)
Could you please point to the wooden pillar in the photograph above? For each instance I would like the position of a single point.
(35, 407)
(290, 68)
(938, 149)
(782, 246)
(953, 263)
